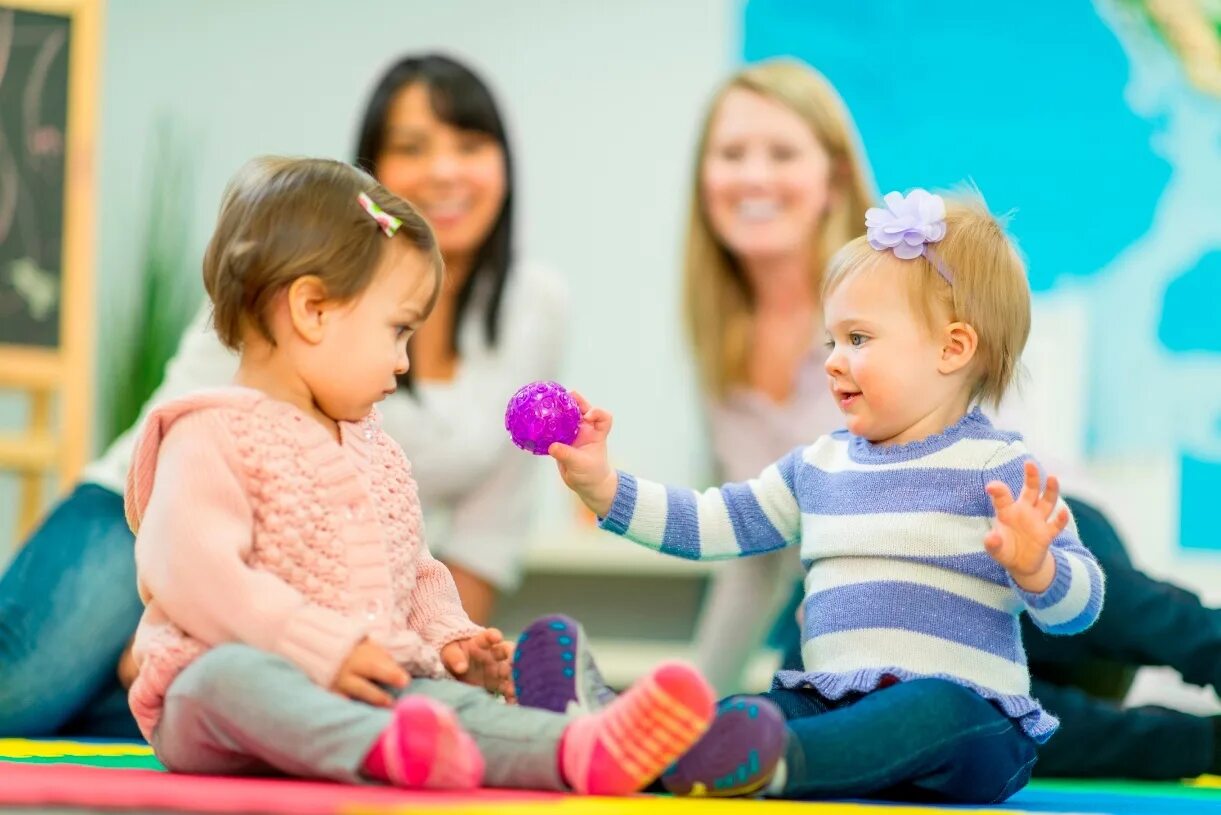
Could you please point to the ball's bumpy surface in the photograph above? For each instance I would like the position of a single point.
(540, 414)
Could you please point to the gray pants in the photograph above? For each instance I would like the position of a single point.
(240, 711)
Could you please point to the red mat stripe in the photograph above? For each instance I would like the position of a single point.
(66, 785)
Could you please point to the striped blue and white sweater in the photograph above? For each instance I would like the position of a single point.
(898, 584)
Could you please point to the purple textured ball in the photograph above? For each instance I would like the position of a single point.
(540, 414)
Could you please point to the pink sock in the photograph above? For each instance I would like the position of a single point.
(424, 746)
(622, 749)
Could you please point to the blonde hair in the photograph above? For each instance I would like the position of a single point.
(284, 218)
(989, 292)
(717, 299)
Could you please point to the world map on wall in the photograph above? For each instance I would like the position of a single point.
(1101, 126)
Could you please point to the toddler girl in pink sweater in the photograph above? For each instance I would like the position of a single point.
(295, 619)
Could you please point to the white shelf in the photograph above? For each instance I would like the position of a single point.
(586, 550)
(623, 661)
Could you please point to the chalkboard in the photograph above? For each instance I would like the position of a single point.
(34, 50)
(48, 114)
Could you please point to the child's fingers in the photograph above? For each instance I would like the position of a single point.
(582, 404)
(993, 543)
(493, 636)
(362, 690)
(454, 657)
(999, 492)
(1051, 496)
(561, 452)
(381, 669)
(1030, 483)
(508, 691)
(1060, 521)
(600, 419)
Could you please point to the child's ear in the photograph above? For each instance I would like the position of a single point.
(307, 307)
(959, 343)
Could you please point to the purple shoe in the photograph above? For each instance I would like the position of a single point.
(738, 754)
(553, 669)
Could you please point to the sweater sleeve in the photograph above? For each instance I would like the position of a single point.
(1073, 601)
(436, 610)
(190, 556)
(731, 521)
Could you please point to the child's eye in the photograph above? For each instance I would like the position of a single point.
(401, 331)
(856, 339)
(829, 344)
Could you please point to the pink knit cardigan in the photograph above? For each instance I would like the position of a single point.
(254, 525)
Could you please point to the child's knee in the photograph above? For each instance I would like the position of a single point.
(948, 706)
(457, 695)
(991, 757)
(215, 671)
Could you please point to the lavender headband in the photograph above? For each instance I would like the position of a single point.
(908, 225)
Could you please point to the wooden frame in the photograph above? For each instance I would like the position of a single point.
(47, 447)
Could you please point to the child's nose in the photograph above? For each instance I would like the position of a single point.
(835, 362)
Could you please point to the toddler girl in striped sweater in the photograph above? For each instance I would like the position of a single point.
(924, 530)
(295, 621)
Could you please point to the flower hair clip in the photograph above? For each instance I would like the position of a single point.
(907, 225)
(385, 220)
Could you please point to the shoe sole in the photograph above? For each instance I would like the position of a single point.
(736, 757)
(551, 645)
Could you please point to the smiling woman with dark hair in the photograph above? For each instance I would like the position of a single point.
(424, 107)
(433, 134)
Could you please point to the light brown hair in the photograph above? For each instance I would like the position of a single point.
(284, 218)
(717, 298)
(990, 291)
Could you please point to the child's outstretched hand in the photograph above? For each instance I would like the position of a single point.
(1024, 528)
(485, 660)
(583, 465)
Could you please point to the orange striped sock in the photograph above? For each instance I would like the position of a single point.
(625, 747)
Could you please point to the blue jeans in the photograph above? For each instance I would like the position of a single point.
(68, 606)
(1083, 679)
(923, 740)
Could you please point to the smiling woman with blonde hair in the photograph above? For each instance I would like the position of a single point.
(780, 184)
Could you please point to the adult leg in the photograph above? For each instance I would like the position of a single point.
(68, 607)
(1100, 739)
(1143, 622)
